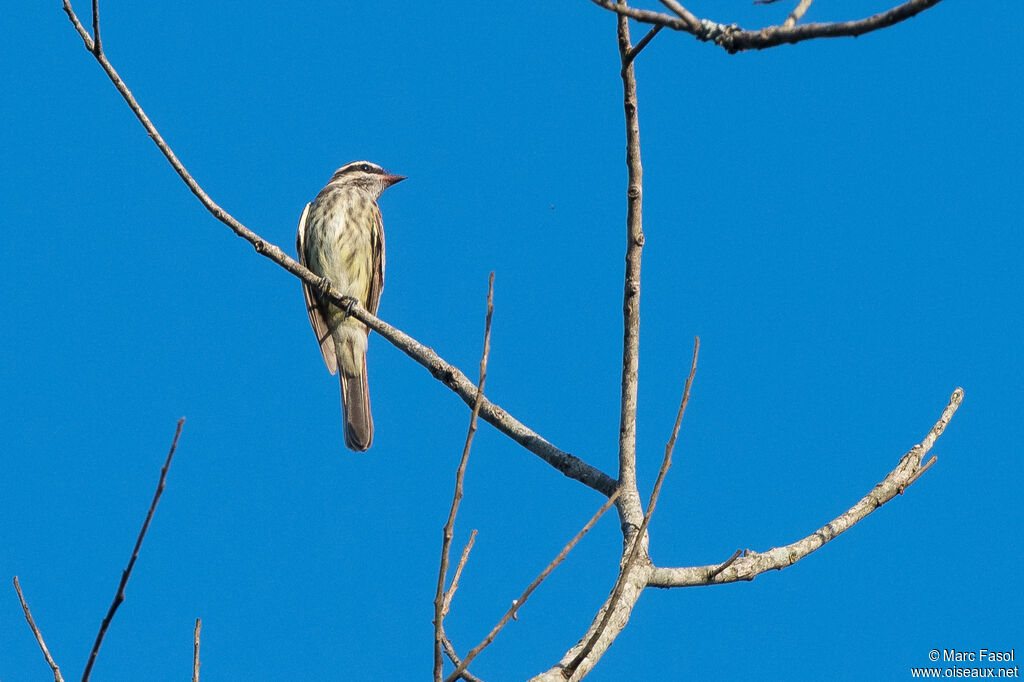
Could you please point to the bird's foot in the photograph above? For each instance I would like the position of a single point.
(323, 286)
(348, 306)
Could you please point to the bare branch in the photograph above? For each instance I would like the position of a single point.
(57, 677)
(630, 511)
(195, 651)
(570, 465)
(449, 650)
(635, 50)
(97, 46)
(86, 38)
(127, 573)
(460, 473)
(752, 564)
(918, 474)
(518, 603)
(450, 592)
(735, 555)
(797, 14)
(639, 537)
(683, 13)
(735, 39)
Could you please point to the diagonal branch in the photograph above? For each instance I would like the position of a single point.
(640, 536)
(751, 564)
(518, 603)
(127, 573)
(460, 473)
(631, 54)
(570, 465)
(797, 13)
(57, 677)
(683, 13)
(735, 39)
(449, 650)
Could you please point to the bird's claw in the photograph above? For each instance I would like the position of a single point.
(322, 287)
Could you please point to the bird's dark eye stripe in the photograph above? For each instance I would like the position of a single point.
(362, 167)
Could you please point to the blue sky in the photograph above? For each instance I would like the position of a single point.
(837, 220)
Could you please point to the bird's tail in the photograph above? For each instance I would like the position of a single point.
(355, 400)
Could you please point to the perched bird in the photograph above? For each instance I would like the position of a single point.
(341, 237)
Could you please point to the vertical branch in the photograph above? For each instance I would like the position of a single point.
(127, 573)
(629, 501)
(57, 677)
(97, 47)
(195, 651)
(449, 526)
(634, 551)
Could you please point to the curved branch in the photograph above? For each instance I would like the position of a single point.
(735, 39)
(451, 376)
(750, 564)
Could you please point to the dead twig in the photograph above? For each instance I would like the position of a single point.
(734, 39)
(127, 573)
(518, 603)
(57, 677)
(195, 651)
(460, 473)
(638, 538)
(751, 564)
(449, 650)
(450, 592)
(796, 14)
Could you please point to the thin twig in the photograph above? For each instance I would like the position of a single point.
(682, 13)
(97, 46)
(635, 50)
(518, 603)
(752, 564)
(450, 592)
(728, 562)
(126, 574)
(918, 473)
(439, 368)
(195, 651)
(638, 538)
(449, 650)
(460, 473)
(797, 14)
(39, 636)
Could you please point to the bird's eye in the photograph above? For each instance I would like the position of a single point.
(365, 167)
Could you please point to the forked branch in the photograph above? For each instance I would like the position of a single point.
(751, 564)
(442, 598)
(735, 39)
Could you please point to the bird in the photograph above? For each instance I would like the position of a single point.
(341, 239)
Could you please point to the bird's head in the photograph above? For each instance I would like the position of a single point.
(366, 176)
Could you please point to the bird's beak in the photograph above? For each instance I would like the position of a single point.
(392, 179)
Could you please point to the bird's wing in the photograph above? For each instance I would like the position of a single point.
(377, 270)
(316, 318)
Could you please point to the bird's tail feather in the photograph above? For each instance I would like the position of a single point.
(355, 408)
